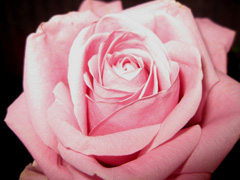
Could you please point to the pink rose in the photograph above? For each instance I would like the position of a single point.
(135, 94)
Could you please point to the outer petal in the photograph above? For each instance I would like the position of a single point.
(220, 127)
(191, 176)
(101, 8)
(61, 120)
(18, 120)
(156, 164)
(77, 175)
(185, 15)
(218, 40)
(46, 62)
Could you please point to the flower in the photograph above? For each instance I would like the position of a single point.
(140, 93)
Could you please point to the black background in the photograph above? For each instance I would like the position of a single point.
(21, 17)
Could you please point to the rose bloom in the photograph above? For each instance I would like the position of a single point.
(140, 93)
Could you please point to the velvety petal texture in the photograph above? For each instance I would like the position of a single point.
(46, 63)
(157, 164)
(218, 40)
(140, 93)
(109, 54)
(61, 120)
(220, 127)
(49, 161)
(177, 23)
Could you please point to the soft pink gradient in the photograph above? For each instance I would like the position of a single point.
(143, 90)
(218, 40)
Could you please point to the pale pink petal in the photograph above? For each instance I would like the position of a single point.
(160, 18)
(171, 20)
(210, 77)
(106, 94)
(191, 176)
(104, 107)
(79, 55)
(61, 118)
(218, 40)
(188, 59)
(215, 32)
(114, 44)
(32, 172)
(156, 164)
(148, 15)
(46, 62)
(101, 8)
(92, 49)
(220, 127)
(18, 120)
(150, 40)
(113, 81)
(137, 77)
(77, 175)
(77, 67)
(151, 87)
(144, 112)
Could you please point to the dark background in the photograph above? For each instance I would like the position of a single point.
(21, 17)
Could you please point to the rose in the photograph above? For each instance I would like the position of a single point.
(159, 118)
(142, 91)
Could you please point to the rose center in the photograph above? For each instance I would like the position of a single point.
(126, 68)
(128, 65)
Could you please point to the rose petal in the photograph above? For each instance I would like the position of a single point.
(170, 28)
(156, 164)
(46, 62)
(144, 112)
(188, 59)
(189, 176)
(77, 175)
(214, 32)
(110, 47)
(18, 120)
(218, 40)
(152, 43)
(114, 81)
(145, 13)
(210, 77)
(106, 108)
(79, 55)
(114, 44)
(61, 118)
(183, 28)
(101, 8)
(95, 42)
(220, 127)
(106, 94)
(78, 67)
